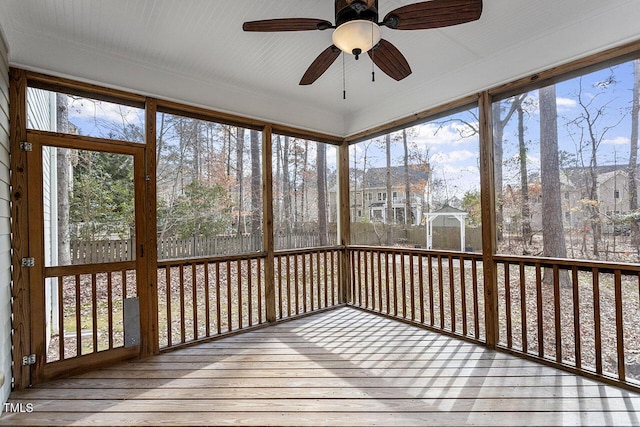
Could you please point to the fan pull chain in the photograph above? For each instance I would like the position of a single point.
(344, 80)
(373, 52)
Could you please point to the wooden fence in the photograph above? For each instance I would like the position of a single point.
(86, 252)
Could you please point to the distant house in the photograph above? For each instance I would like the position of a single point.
(612, 193)
(368, 197)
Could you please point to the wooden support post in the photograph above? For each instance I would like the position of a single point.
(149, 258)
(344, 225)
(488, 203)
(267, 201)
(20, 227)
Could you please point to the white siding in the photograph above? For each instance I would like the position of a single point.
(5, 224)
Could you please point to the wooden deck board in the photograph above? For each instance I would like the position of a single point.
(342, 367)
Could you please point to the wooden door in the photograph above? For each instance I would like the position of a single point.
(86, 237)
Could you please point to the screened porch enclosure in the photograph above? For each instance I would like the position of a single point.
(183, 246)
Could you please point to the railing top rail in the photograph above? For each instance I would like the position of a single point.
(311, 250)
(213, 259)
(582, 265)
(417, 251)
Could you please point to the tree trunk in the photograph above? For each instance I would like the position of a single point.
(239, 177)
(407, 188)
(498, 135)
(321, 167)
(389, 210)
(633, 156)
(286, 188)
(256, 191)
(63, 169)
(552, 227)
(525, 210)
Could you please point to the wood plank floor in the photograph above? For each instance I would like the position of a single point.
(341, 367)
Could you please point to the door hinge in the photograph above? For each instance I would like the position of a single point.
(26, 146)
(29, 360)
(28, 262)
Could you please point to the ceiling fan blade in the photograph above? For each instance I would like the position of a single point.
(320, 65)
(433, 14)
(287, 24)
(389, 59)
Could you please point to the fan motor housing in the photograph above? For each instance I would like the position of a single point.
(349, 10)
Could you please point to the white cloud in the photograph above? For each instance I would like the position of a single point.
(88, 110)
(565, 104)
(453, 156)
(455, 133)
(618, 140)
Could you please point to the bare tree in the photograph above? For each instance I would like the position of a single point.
(64, 183)
(407, 185)
(321, 166)
(552, 227)
(256, 191)
(389, 211)
(525, 209)
(499, 124)
(633, 155)
(240, 176)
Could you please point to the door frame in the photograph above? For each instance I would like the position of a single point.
(42, 371)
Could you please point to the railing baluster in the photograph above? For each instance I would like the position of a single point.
(249, 292)
(359, 279)
(78, 319)
(218, 302)
(334, 254)
(365, 283)
(463, 296)
(169, 318)
(326, 279)
(259, 273)
(304, 281)
(421, 286)
(539, 310)
(431, 310)
(452, 295)
(353, 277)
(404, 287)
(182, 307)
(441, 291)
(412, 287)
(94, 311)
(523, 308)
(387, 282)
(229, 298)
(288, 265)
(619, 326)
(595, 274)
(61, 316)
(557, 314)
(194, 298)
(395, 284)
(207, 327)
(295, 283)
(576, 316)
(239, 274)
(373, 281)
(507, 302)
(476, 311)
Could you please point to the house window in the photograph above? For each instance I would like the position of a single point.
(359, 213)
(395, 195)
(616, 194)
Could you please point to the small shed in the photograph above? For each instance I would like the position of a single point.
(447, 216)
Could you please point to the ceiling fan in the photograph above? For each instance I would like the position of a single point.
(357, 30)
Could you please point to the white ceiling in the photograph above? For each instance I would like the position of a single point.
(195, 51)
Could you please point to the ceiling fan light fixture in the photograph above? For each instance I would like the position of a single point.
(356, 37)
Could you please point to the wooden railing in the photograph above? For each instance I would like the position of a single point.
(202, 298)
(582, 316)
(207, 297)
(87, 314)
(440, 290)
(306, 280)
